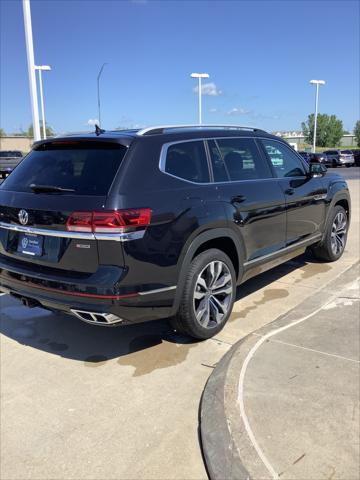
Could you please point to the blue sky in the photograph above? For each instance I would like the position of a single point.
(260, 56)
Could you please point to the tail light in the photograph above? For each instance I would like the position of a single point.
(116, 221)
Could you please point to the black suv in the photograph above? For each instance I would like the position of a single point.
(165, 222)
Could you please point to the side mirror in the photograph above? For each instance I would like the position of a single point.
(317, 170)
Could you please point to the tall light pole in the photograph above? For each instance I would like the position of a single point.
(31, 69)
(41, 68)
(317, 83)
(199, 76)
(98, 91)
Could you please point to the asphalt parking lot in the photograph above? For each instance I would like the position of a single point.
(84, 402)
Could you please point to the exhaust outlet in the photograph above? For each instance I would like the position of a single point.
(96, 318)
(29, 302)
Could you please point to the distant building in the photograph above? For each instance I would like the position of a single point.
(347, 140)
(16, 143)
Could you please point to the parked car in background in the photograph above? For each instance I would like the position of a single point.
(84, 233)
(9, 159)
(306, 156)
(340, 158)
(356, 154)
(320, 158)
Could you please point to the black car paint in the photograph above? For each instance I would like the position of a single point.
(265, 222)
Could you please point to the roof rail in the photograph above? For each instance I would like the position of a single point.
(160, 128)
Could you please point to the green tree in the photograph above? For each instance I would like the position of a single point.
(49, 130)
(357, 132)
(2, 132)
(329, 130)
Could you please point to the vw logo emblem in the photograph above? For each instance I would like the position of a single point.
(23, 217)
(24, 243)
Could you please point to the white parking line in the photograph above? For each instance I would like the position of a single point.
(247, 360)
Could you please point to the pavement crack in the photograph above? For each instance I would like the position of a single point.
(214, 339)
(298, 459)
(209, 366)
(314, 350)
(350, 298)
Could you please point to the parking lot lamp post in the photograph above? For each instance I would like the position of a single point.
(41, 68)
(31, 69)
(98, 92)
(199, 76)
(317, 83)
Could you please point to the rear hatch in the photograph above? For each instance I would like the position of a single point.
(38, 200)
(347, 156)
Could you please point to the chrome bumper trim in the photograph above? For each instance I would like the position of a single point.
(158, 290)
(114, 237)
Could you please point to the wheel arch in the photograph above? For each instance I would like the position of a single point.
(224, 239)
(341, 198)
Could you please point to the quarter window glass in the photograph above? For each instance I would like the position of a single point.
(188, 160)
(218, 165)
(284, 160)
(242, 159)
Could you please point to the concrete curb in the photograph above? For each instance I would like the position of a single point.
(222, 456)
(219, 451)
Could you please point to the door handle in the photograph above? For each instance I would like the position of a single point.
(289, 191)
(238, 199)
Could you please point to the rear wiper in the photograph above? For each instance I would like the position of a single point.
(49, 189)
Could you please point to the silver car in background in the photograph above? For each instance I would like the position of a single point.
(340, 158)
(9, 159)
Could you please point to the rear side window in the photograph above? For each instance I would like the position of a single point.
(285, 162)
(188, 160)
(242, 159)
(88, 168)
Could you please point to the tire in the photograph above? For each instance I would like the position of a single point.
(204, 310)
(334, 164)
(348, 165)
(333, 244)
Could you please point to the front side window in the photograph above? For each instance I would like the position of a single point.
(187, 160)
(242, 159)
(285, 162)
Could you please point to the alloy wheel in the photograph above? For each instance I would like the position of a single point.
(338, 233)
(213, 294)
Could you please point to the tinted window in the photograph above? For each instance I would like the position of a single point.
(218, 165)
(242, 159)
(188, 160)
(285, 162)
(87, 169)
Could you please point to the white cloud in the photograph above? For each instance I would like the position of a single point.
(93, 122)
(238, 111)
(213, 110)
(209, 89)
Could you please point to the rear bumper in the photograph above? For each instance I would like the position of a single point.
(97, 293)
(346, 161)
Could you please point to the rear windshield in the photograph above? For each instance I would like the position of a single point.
(87, 168)
(346, 152)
